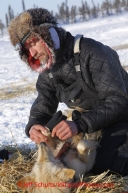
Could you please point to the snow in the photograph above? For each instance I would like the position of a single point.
(15, 75)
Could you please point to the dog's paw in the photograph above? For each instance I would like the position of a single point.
(82, 146)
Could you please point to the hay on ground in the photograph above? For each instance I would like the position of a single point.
(23, 160)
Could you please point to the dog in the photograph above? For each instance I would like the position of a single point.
(50, 173)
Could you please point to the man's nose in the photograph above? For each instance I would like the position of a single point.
(32, 51)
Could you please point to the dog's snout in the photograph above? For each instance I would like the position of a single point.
(42, 144)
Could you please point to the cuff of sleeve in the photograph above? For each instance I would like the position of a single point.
(82, 127)
(29, 125)
(35, 121)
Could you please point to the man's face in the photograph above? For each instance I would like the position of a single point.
(37, 49)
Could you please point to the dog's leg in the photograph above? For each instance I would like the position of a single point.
(86, 149)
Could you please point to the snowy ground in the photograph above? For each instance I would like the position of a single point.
(15, 75)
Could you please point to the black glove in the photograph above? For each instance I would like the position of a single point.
(3, 155)
(57, 118)
(76, 115)
(81, 126)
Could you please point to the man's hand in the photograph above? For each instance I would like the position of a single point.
(36, 134)
(65, 130)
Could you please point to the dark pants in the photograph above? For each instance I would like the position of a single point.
(3, 154)
(113, 150)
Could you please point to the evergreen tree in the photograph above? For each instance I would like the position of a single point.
(123, 3)
(82, 11)
(94, 11)
(106, 7)
(126, 8)
(23, 5)
(87, 10)
(7, 22)
(117, 6)
(67, 14)
(10, 13)
(1, 27)
(73, 14)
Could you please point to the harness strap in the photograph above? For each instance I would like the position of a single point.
(63, 151)
(50, 75)
(76, 55)
(77, 43)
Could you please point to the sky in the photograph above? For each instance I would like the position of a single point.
(16, 5)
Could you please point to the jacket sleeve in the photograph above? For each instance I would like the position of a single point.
(106, 74)
(45, 104)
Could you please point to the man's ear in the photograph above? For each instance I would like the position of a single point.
(25, 182)
(66, 174)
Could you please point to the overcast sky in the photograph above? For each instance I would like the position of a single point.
(16, 5)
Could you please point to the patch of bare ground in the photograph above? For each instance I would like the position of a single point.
(120, 47)
(14, 90)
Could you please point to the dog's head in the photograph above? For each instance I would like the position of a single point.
(48, 174)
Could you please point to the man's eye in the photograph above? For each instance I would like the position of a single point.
(33, 43)
(27, 46)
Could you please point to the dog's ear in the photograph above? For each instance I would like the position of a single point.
(66, 174)
(26, 182)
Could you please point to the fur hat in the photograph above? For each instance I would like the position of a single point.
(36, 22)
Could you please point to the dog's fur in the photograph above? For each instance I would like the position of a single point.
(80, 159)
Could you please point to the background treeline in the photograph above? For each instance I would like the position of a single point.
(66, 15)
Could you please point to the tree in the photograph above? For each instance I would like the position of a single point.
(123, 3)
(64, 13)
(10, 13)
(126, 5)
(117, 6)
(67, 14)
(23, 5)
(82, 11)
(94, 10)
(7, 22)
(35, 6)
(73, 14)
(106, 7)
(2, 27)
(87, 9)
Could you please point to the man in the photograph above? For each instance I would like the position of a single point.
(92, 79)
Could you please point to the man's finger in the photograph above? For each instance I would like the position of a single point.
(37, 135)
(58, 127)
(66, 136)
(63, 134)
